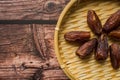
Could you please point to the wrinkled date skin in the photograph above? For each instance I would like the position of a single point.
(115, 34)
(94, 22)
(77, 35)
(112, 22)
(101, 52)
(86, 48)
(115, 55)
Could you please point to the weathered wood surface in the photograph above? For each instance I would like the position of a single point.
(31, 9)
(26, 53)
(26, 50)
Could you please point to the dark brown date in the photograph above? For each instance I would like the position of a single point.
(112, 22)
(86, 48)
(115, 34)
(101, 52)
(77, 35)
(94, 22)
(115, 55)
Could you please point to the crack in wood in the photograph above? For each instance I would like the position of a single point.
(37, 42)
(14, 69)
(23, 67)
(38, 74)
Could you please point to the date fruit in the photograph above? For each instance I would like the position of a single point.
(86, 48)
(115, 55)
(115, 34)
(112, 22)
(94, 22)
(101, 52)
(77, 35)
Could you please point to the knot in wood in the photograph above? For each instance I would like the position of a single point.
(50, 6)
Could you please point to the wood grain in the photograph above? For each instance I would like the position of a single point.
(31, 9)
(27, 53)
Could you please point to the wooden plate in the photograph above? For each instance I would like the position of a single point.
(73, 18)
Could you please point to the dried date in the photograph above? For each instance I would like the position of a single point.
(101, 52)
(112, 22)
(86, 48)
(94, 22)
(77, 35)
(115, 55)
(115, 34)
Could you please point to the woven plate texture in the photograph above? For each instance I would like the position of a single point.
(76, 20)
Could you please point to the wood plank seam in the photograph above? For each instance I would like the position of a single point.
(50, 22)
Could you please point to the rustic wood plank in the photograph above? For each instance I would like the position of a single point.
(31, 9)
(56, 75)
(45, 34)
(11, 78)
(17, 52)
(27, 53)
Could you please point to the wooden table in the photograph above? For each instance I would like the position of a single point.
(26, 39)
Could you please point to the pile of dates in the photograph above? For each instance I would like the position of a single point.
(100, 44)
